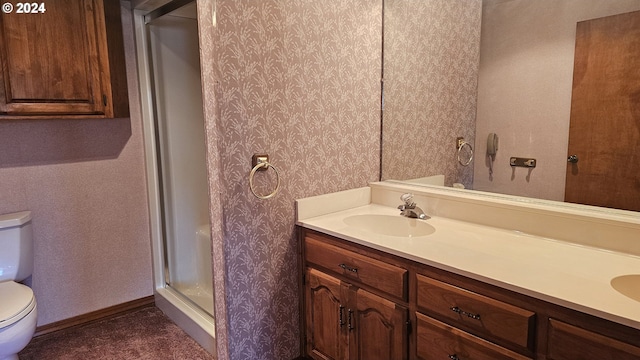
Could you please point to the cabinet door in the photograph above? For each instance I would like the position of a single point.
(56, 61)
(378, 328)
(326, 317)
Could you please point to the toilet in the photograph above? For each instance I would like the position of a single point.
(18, 311)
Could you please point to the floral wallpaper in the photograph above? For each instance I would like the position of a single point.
(298, 80)
(431, 56)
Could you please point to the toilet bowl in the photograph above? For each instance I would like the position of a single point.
(18, 309)
(18, 315)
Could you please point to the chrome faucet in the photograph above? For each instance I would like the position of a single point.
(409, 208)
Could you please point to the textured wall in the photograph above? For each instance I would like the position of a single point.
(431, 54)
(524, 90)
(298, 80)
(84, 182)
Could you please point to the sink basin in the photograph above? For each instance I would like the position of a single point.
(388, 225)
(628, 285)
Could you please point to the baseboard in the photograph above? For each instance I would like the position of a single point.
(97, 315)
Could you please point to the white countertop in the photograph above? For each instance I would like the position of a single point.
(563, 273)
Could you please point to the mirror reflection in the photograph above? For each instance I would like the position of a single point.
(469, 69)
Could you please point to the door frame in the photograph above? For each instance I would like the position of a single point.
(193, 320)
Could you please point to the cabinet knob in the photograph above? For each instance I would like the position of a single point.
(454, 357)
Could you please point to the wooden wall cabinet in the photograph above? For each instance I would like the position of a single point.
(361, 303)
(64, 60)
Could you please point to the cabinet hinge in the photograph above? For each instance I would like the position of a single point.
(104, 100)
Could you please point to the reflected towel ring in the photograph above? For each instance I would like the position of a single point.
(265, 165)
(463, 144)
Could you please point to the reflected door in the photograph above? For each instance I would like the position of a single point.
(604, 132)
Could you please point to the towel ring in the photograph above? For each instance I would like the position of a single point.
(266, 165)
(463, 144)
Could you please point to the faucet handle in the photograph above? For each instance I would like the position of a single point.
(408, 199)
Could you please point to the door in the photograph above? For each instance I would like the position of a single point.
(326, 316)
(179, 126)
(344, 322)
(381, 329)
(605, 114)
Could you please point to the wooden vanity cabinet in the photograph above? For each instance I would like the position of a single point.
(66, 60)
(361, 303)
(345, 322)
(344, 318)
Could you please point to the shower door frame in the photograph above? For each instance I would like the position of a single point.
(192, 319)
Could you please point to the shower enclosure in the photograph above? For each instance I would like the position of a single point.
(169, 70)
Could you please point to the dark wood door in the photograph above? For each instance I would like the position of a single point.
(605, 114)
(379, 329)
(326, 317)
(54, 61)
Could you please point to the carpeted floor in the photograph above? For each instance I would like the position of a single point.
(143, 334)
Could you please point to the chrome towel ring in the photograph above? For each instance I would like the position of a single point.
(460, 147)
(263, 164)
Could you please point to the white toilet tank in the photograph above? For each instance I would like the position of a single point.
(16, 242)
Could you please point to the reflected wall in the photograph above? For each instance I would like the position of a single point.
(524, 90)
(431, 52)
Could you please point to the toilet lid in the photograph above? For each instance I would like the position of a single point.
(16, 301)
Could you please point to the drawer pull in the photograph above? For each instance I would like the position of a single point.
(348, 268)
(340, 316)
(454, 357)
(351, 327)
(457, 310)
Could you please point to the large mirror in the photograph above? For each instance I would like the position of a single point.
(466, 69)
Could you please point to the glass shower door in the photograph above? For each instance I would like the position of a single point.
(175, 67)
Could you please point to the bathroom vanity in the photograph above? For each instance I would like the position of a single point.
(483, 278)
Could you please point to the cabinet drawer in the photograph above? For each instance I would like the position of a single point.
(377, 274)
(568, 342)
(480, 314)
(439, 341)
